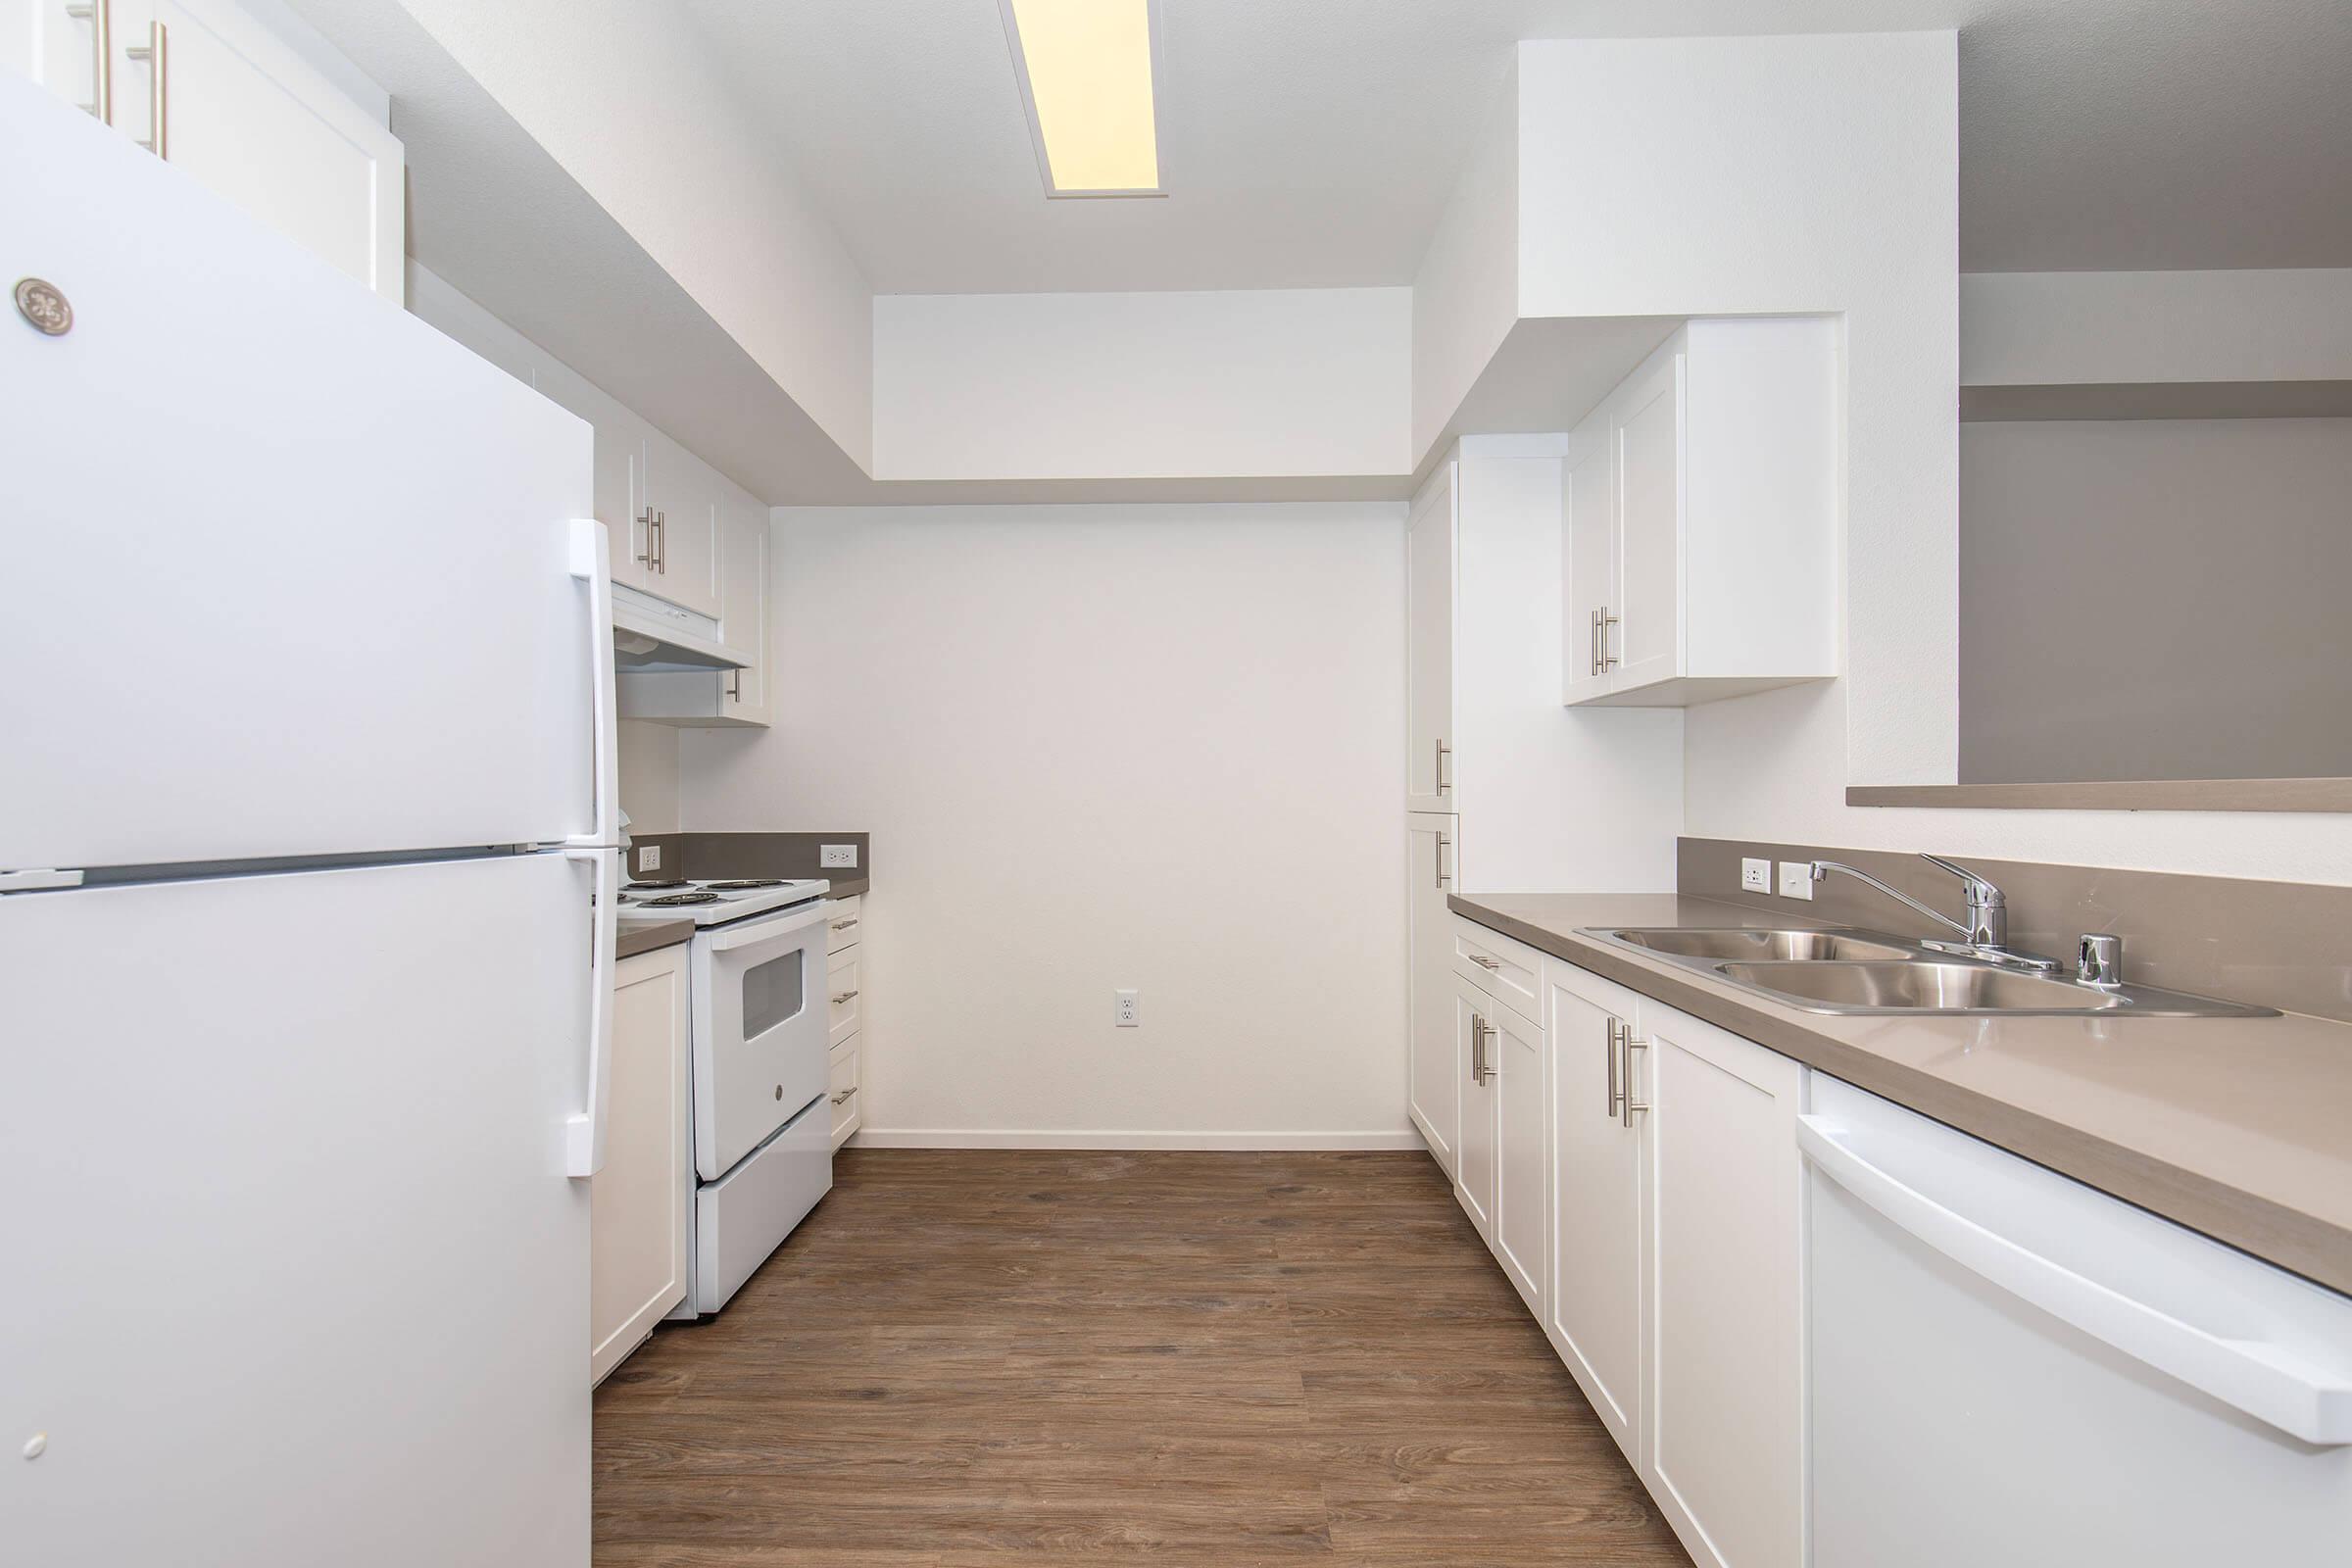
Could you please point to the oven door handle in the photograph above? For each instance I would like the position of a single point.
(758, 931)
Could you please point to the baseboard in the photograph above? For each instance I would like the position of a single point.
(994, 1138)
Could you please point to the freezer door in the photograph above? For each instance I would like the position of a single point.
(288, 571)
(294, 1273)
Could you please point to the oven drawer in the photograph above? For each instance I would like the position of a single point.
(842, 921)
(844, 1007)
(746, 1214)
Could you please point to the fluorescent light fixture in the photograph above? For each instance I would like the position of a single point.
(1086, 69)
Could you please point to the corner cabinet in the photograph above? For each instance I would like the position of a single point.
(1635, 1174)
(216, 92)
(1700, 519)
(638, 1203)
(1429, 586)
(1434, 1065)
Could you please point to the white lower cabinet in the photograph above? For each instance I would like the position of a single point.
(1593, 1312)
(1499, 1177)
(638, 1204)
(1433, 1073)
(845, 1000)
(1724, 1447)
(1634, 1171)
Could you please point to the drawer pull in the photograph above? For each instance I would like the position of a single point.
(840, 996)
(846, 925)
(843, 1097)
(1485, 962)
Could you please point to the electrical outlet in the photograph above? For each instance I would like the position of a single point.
(1796, 880)
(649, 857)
(837, 856)
(1755, 877)
(1125, 1010)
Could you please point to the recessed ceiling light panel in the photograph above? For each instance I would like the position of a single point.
(1086, 69)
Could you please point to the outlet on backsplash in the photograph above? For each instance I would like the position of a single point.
(838, 857)
(649, 857)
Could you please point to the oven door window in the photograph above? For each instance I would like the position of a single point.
(774, 993)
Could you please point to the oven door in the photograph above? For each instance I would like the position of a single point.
(759, 1031)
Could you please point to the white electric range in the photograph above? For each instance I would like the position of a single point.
(763, 1138)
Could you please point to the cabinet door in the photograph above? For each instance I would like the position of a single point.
(638, 1203)
(622, 503)
(46, 40)
(1593, 1314)
(1725, 1335)
(1428, 642)
(1589, 551)
(684, 495)
(1647, 436)
(746, 693)
(1474, 1163)
(1435, 1074)
(251, 119)
(1515, 1083)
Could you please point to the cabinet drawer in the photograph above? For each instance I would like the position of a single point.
(846, 1010)
(1511, 972)
(841, 1094)
(842, 921)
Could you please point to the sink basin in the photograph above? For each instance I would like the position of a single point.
(1761, 946)
(1923, 985)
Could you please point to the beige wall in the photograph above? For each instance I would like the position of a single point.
(2155, 599)
(1103, 747)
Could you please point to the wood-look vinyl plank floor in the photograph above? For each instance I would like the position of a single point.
(978, 1358)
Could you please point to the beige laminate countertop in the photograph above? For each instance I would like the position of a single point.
(2241, 1128)
(632, 937)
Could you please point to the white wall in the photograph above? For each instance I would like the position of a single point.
(1157, 747)
(1466, 292)
(1724, 176)
(628, 100)
(2060, 329)
(1255, 383)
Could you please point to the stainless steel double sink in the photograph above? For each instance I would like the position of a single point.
(1868, 972)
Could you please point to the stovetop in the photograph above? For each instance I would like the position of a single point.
(715, 902)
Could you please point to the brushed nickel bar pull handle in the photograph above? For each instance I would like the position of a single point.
(1608, 660)
(1444, 752)
(156, 51)
(735, 685)
(1478, 1028)
(661, 545)
(1592, 644)
(843, 1097)
(1609, 1071)
(1485, 962)
(844, 925)
(1631, 1103)
(647, 553)
(102, 55)
(1443, 843)
(845, 996)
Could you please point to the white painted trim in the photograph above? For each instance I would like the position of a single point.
(1406, 1138)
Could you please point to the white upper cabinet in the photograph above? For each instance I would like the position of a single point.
(682, 493)
(238, 106)
(724, 699)
(1430, 588)
(1699, 522)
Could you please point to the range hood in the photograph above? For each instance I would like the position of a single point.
(649, 634)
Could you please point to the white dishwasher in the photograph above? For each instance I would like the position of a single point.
(2007, 1367)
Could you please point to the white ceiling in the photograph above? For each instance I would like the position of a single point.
(1311, 143)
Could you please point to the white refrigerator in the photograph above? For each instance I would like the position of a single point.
(306, 879)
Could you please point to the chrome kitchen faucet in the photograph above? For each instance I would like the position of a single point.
(1986, 934)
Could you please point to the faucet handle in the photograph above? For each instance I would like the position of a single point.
(1981, 890)
(2099, 959)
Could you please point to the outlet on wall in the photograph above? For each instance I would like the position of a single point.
(1125, 1012)
(1755, 877)
(1796, 880)
(837, 856)
(649, 857)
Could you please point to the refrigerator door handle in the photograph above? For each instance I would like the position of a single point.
(584, 1133)
(591, 562)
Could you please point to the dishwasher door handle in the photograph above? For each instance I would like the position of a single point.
(2266, 1379)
